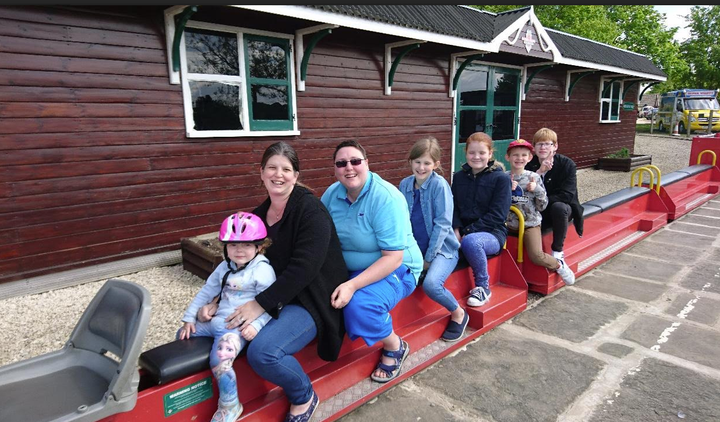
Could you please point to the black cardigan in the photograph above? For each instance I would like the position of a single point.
(561, 186)
(309, 265)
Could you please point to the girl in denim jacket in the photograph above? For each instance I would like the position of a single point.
(430, 204)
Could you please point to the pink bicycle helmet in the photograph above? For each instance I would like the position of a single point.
(243, 227)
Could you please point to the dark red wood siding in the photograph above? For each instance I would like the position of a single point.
(95, 163)
(96, 166)
(576, 122)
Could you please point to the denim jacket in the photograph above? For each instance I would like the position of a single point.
(437, 210)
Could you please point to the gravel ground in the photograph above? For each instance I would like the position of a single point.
(56, 312)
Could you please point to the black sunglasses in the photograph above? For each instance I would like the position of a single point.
(341, 164)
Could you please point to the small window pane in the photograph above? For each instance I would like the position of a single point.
(506, 89)
(471, 121)
(503, 124)
(216, 106)
(615, 110)
(472, 86)
(267, 60)
(605, 114)
(269, 102)
(211, 52)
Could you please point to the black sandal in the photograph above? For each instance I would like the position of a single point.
(392, 371)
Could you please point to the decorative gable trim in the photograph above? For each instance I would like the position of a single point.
(527, 32)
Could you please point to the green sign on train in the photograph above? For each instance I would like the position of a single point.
(187, 396)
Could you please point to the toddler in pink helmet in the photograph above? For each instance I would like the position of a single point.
(243, 274)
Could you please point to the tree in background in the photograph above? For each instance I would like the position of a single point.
(702, 50)
(637, 28)
(643, 32)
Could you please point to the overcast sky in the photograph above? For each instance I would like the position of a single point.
(674, 17)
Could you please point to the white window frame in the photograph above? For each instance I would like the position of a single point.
(608, 100)
(186, 77)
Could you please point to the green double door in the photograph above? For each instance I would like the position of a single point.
(487, 100)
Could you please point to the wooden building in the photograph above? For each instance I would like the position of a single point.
(125, 129)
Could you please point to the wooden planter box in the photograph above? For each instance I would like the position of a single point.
(624, 164)
(201, 254)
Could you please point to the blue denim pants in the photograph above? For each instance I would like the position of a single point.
(434, 284)
(270, 354)
(476, 247)
(367, 315)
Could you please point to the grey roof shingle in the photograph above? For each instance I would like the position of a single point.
(505, 19)
(573, 47)
(473, 24)
(440, 19)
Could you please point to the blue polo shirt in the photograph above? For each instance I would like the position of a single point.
(378, 220)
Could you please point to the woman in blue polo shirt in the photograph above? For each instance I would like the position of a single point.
(383, 259)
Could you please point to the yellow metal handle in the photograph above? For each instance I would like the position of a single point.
(710, 152)
(521, 231)
(659, 174)
(638, 171)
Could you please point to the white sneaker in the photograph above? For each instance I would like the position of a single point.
(568, 277)
(558, 255)
(478, 297)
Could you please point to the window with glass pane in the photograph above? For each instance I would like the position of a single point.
(216, 106)
(236, 81)
(471, 121)
(610, 101)
(503, 124)
(268, 83)
(211, 52)
(473, 87)
(506, 89)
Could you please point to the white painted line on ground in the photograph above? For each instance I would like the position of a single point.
(665, 335)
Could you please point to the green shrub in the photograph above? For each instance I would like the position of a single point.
(623, 153)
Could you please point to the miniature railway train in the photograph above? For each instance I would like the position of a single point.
(175, 384)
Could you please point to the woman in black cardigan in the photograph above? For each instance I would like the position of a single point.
(308, 261)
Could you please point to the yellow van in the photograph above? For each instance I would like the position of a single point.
(692, 109)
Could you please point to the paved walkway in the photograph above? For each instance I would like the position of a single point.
(637, 339)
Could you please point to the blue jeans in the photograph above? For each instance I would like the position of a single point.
(270, 352)
(367, 315)
(476, 247)
(434, 284)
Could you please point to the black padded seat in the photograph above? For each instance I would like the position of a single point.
(177, 359)
(683, 173)
(590, 210)
(616, 198)
(697, 168)
(670, 178)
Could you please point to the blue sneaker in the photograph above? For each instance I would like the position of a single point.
(305, 417)
(455, 331)
(478, 296)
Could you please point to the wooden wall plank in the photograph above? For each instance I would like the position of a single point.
(80, 49)
(126, 19)
(47, 125)
(13, 94)
(87, 111)
(48, 63)
(42, 31)
(78, 80)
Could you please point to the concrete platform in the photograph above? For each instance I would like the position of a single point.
(636, 339)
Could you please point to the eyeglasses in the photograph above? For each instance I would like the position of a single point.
(341, 164)
(543, 144)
